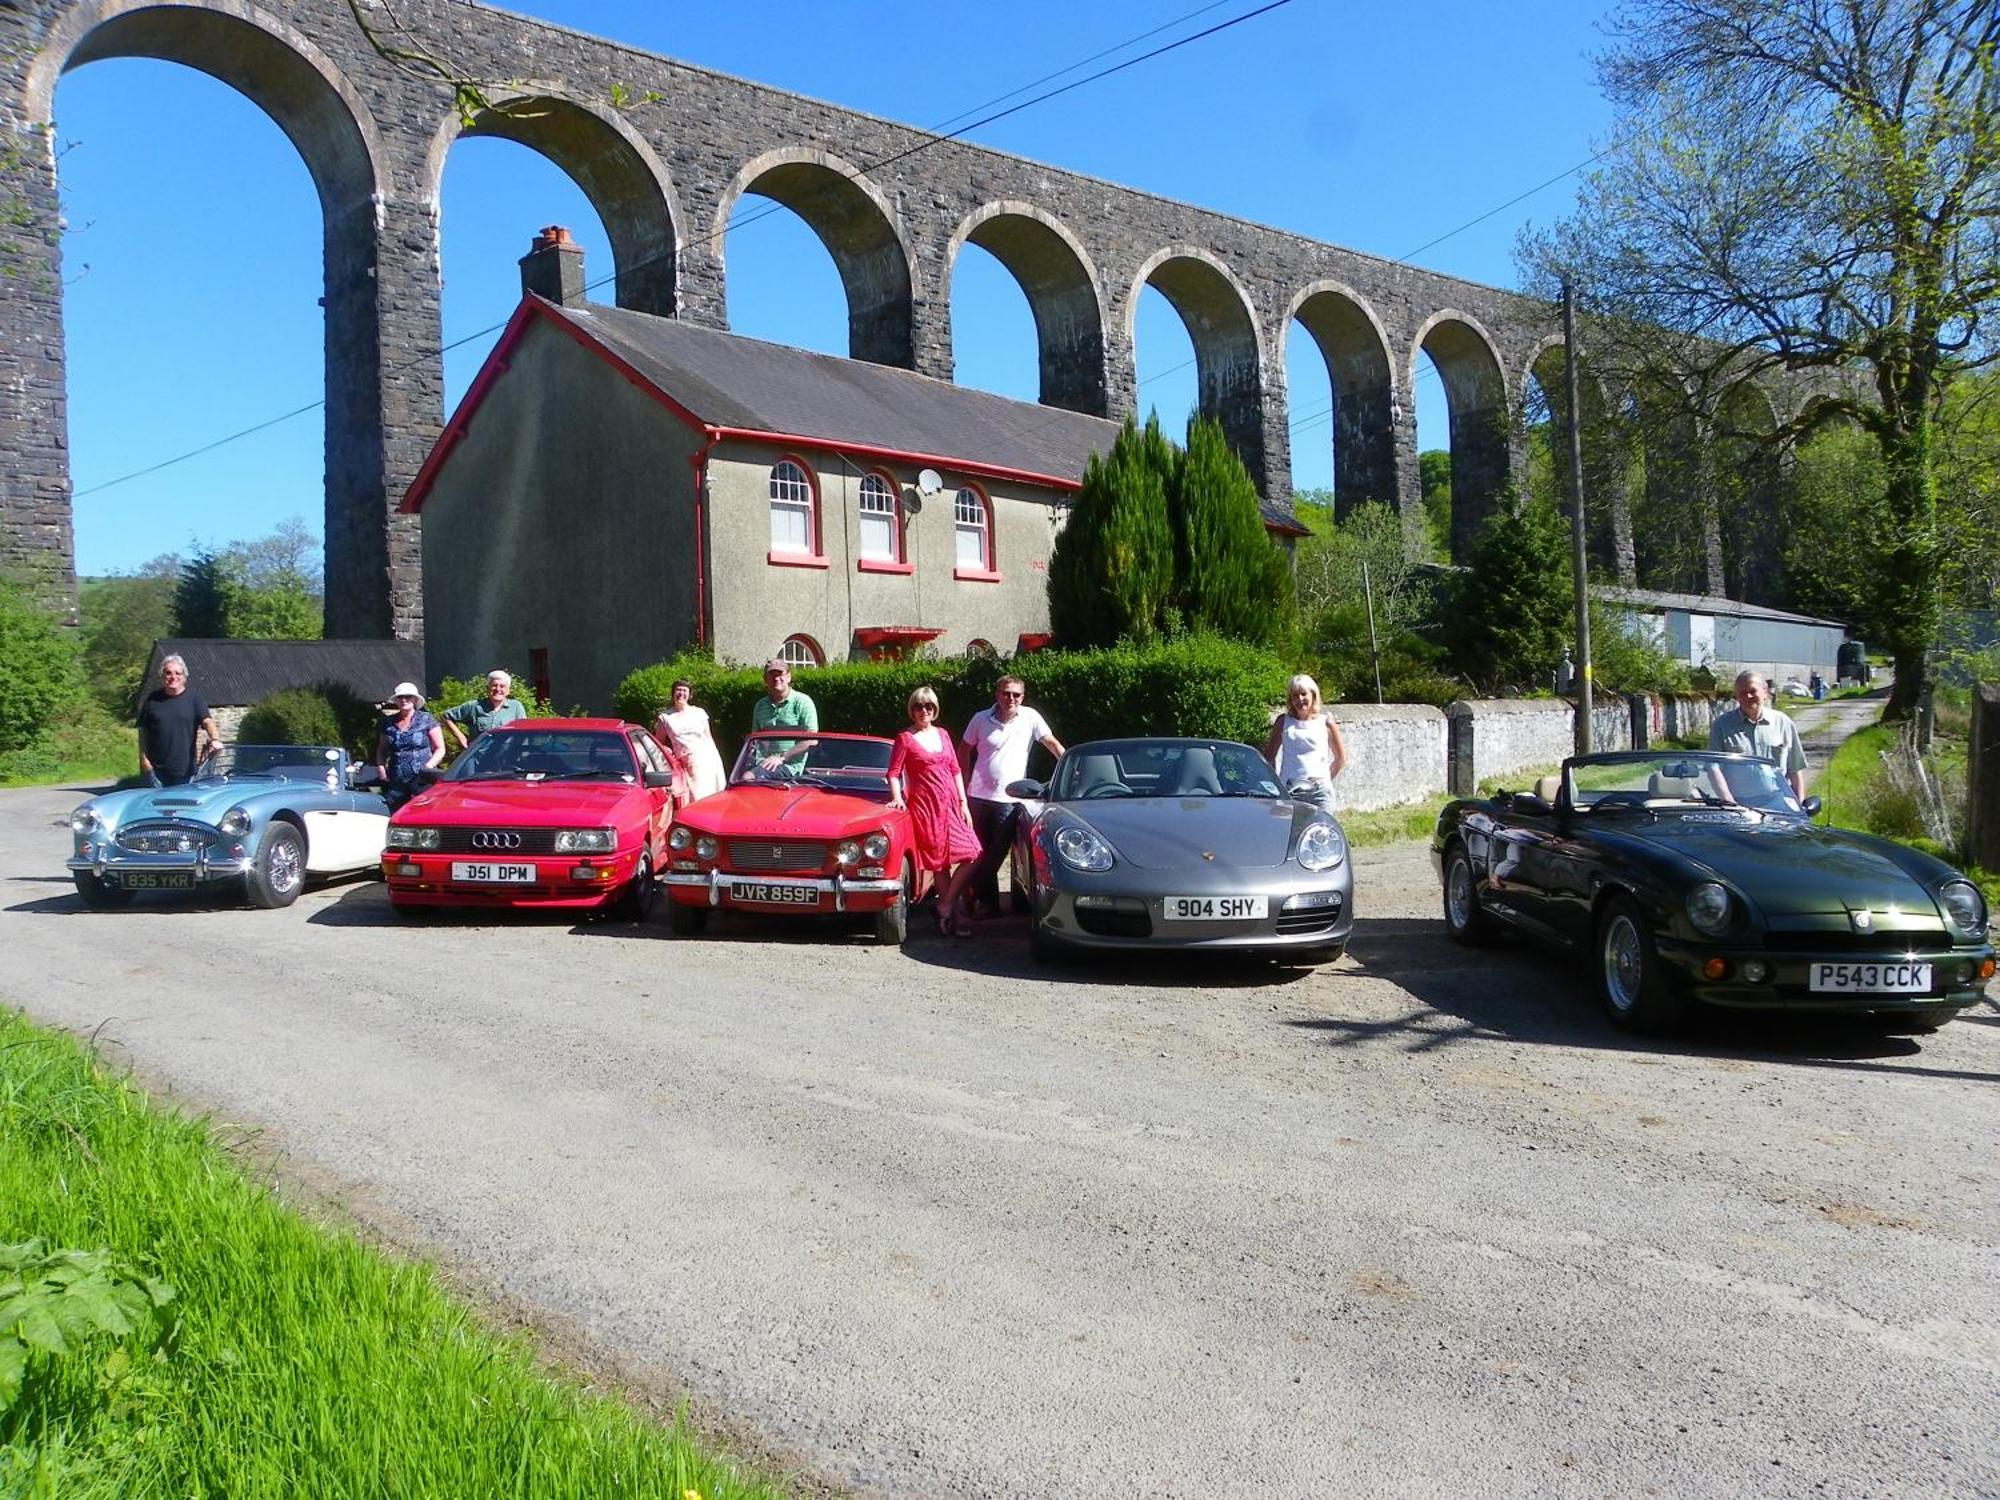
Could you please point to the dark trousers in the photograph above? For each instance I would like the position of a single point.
(994, 823)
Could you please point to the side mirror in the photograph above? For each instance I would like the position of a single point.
(1028, 790)
(1812, 806)
(659, 780)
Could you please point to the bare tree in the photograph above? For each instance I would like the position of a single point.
(1806, 185)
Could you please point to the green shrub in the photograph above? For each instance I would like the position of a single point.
(1335, 652)
(328, 714)
(1512, 613)
(1196, 685)
(1624, 661)
(79, 743)
(40, 670)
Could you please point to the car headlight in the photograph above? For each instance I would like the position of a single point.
(876, 846)
(235, 822)
(847, 851)
(1081, 849)
(1708, 908)
(412, 838)
(680, 837)
(83, 822)
(1321, 847)
(586, 840)
(1965, 906)
(706, 846)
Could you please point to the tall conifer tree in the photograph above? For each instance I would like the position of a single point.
(1230, 577)
(1112, 572)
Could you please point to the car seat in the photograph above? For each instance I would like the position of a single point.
(1548, 788)
(1195, 775)
(1672, 788)
(1094, 772)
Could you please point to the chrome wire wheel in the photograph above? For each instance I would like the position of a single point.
(286, 867)
(1624, 964)
(1458, 893)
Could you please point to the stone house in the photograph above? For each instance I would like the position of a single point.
(234, 676)
(617, 486)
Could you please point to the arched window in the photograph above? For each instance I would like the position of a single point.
(972, 515)
(794, 511)
(801, 651)
(881, 521)
(976, 649)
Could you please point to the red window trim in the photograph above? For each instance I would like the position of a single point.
(901, 562)
(990, 572)
(796, 560)
(818, 653)
(813, 518)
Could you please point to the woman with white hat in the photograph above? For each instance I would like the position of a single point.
(411, 743)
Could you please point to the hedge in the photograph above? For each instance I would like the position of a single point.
(328, 714)
(1193, 685)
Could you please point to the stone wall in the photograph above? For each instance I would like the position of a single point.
(1395, 754)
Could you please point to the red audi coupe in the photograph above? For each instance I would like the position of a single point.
(540, 813)
(803, 826)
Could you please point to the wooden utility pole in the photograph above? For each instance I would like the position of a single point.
(1579, 559)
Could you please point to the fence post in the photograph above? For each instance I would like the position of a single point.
(1641, 708)
(1982, 778)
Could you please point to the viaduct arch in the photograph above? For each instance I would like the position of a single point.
(894, 205)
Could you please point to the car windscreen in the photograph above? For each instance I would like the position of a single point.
(281, 762)
(1163, 768)
(1680, 781)
(547, 755)
(860, 766)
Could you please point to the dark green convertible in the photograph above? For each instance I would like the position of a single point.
(1701, 878)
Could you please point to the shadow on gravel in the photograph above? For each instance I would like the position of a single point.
(1517, 992)
(1000, 948)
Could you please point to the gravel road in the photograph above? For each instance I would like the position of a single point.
(940, 1222)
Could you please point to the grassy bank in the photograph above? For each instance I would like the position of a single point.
(88, 748)
(285, 1358)
(1858, 794)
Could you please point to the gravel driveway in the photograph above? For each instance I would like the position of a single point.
(941, 1222)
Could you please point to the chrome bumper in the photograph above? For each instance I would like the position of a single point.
(838, 886)
(108, 860)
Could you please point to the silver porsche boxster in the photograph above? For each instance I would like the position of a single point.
(1180, 843)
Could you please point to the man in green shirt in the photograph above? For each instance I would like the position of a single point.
(490, 712)
(782, 707)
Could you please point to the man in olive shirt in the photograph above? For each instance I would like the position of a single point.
(782, 707)
(169, 718)
(1753, 727)
(490, 712)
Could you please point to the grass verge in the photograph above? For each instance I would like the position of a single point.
(289, 1359)
(87, 746)
(1856, 794)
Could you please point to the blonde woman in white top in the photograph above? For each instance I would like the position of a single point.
(1304, 746)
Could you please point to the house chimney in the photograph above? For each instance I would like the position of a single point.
(553, 267)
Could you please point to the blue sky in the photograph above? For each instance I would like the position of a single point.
(192, 259)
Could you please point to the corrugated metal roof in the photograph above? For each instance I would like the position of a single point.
(1708, 604)
(238, 673)
(727, 380)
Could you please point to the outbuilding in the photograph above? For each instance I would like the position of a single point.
(1728, 636)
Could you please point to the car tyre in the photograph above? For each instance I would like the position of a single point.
(101, 894)
(635, 902)
(687, 921)
(1634, 986)
(279, 871)
(892, 923)
(1464, 918)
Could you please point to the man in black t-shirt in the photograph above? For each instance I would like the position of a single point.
(168, 719)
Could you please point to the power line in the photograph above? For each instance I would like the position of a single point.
(935, 139)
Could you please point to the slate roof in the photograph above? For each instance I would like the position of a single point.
(1708, 604)
(747, 386)
(238, 673)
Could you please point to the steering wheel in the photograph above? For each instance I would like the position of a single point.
(1621, 799)
(1106, 789)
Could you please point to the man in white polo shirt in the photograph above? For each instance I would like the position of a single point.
(993, 752)
(1753, 727)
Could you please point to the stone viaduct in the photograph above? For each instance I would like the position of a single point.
(892, 204)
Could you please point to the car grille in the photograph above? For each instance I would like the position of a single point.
(1889, 944)
(767, 854)
(497, 842)
(164, 838)
(1312, 919)
(1125, 924)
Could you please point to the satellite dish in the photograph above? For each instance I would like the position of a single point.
(914, 505)
(929, 482)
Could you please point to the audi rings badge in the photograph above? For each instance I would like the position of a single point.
(496, 839)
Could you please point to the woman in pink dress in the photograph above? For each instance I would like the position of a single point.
(924, 776)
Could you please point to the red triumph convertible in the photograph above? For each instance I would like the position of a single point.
(539, 813)
(803, 826)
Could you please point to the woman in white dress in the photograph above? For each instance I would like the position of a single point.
(683, 729)
(1304, 746)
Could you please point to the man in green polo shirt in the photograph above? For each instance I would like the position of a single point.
(490, 712)
(782, 707)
